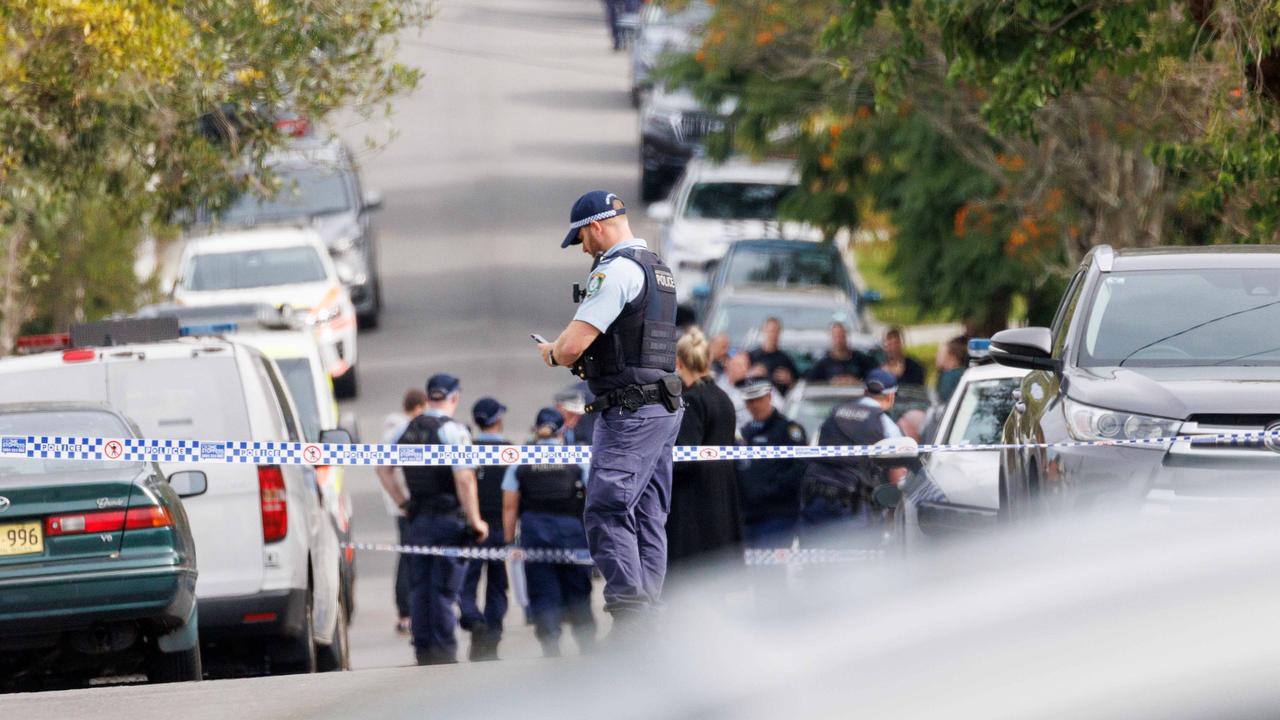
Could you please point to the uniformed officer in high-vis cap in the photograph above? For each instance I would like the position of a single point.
(622, 341)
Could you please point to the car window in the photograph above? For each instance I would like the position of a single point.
(181, 398)
(76, 423)
(786, 267)
(282, 398)
(1187, 318)
(303, 192)
(1066, 310)
(984, 407)
(301, 383)
(255, 268)
(735, 201)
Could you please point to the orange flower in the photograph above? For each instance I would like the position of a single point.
(1017, 239)
(864, 112)
(700, 56)
(827, 161)
(764, 37)
(961, 214)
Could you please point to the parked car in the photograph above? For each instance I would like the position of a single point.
(97, 560)
(283, 267)
(810, 403)
(320, 186)
(1160, 343)
(269, 585)
(715, 205)
(663, 32)
(673, 128)
(957, 493)
(806, 314)
(780, 264)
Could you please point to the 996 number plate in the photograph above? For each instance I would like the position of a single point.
(23, 538)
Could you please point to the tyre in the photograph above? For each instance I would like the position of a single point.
(336, 656)
(297, 656)
(345, 385)
(368, 321)
(182, 666)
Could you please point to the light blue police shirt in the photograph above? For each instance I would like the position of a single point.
(612, 284)
(891, 429)
(452, 433)
(510, 483)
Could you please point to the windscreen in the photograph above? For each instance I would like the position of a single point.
(735, 201)
(75, 423)
(985, 406)
(1184, 318)
(303, 192)
(255, 268)
(739, 320)
(301, 384)
(786, 267)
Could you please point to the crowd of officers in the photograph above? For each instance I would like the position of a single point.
(730, 397)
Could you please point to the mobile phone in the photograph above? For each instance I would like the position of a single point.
(538, 338)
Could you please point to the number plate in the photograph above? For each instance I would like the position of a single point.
(23, 538)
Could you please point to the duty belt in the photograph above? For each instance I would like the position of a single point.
(844, 495)
(629, 398)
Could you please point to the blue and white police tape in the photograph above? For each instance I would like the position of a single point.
(298, 453)
(558, 556)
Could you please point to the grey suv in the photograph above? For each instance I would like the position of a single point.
(1169, 342)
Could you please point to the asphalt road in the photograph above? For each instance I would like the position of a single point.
(522, 108)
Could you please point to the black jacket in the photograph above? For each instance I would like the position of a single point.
(704, 498)
(770, 489)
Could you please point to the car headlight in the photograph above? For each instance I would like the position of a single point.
(1089, 423)
(351, 268)
(659, 121)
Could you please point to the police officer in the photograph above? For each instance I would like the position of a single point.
(485, 625)
(548, 500)
(769, 489)
(442, 506)
(623, 342)
(837, 492)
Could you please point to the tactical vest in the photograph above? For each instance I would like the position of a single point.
(640, 346)
(555, 489)
(852, 423)
(489, 486)
(431, 488)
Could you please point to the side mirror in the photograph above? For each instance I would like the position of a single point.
(869, 297)
(372, 200)
(189, 483)
(1029, 348)
(702, 291)
(886, 496)
(661, 211)
(894, 452)
(336, 436)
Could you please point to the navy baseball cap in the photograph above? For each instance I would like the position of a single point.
(487, 411)
(441, 386)
(753, 388)
(550, 416)
(881, 382)
(595, 205)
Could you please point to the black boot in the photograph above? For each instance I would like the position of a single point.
(484, 644)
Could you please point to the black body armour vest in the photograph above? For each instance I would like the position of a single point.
(640, 345)
(555, 489)
(489, 486)
(431, 488)
(849, 424)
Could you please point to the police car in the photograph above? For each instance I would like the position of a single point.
(281, 266)
(268, 592)
(958, 492)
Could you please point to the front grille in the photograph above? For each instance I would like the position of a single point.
(695, 126)
(1242, 421)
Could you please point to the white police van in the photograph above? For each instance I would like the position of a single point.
(268, 590)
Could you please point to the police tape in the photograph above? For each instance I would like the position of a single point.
(299, 453)
(559, 556)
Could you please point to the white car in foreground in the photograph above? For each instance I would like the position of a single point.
(715, 204)
(283, 267)
(958, 493)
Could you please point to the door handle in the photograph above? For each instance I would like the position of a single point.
(1020, 407)
(1017, 394)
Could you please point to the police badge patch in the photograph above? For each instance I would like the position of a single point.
(796, 432)
(594, 282)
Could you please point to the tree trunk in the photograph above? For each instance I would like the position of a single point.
(11, 311)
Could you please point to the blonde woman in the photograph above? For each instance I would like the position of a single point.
(704, 501)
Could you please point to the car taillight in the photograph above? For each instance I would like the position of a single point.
(107, 521)
(78, 355)
(275, 508)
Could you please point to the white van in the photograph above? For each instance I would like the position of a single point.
(268, 551)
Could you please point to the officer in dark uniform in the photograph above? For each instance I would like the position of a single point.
(769, 489)
(442, 510)
(837, 492)
(485, 625)
(548, 500)
(623, 342)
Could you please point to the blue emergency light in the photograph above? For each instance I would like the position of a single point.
(979, 350)
(210, 329)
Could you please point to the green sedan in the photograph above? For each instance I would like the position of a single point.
(97, 564)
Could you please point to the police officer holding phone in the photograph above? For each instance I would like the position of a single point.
(622, 341)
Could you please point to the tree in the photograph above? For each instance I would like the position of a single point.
(116, 113)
